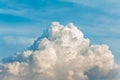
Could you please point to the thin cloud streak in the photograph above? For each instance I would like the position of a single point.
(111, 6)
(13, 40)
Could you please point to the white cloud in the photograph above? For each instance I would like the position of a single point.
(61, 53)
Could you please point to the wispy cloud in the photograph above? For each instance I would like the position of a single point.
(23, 12)
(23, 9)
(112, 6)
(13, 40)
(11, 11)
(22, 29)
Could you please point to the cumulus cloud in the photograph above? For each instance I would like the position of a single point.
(61, 53)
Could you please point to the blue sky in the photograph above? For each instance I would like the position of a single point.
(22, 21)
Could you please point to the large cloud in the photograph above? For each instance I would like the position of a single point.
(61, 53)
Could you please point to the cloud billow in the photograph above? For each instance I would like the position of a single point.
(61, 53)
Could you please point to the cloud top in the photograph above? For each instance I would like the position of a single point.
(61, 53)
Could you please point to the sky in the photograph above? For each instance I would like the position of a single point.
(22, 21)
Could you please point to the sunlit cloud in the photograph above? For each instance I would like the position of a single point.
(61, 53)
